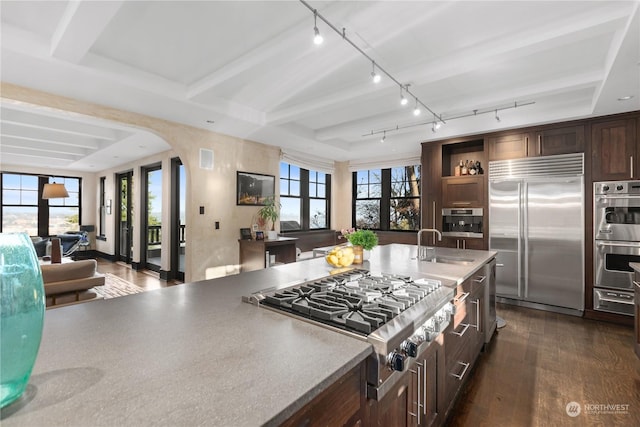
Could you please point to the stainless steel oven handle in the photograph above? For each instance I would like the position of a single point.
(617, 243)
(617, 301)
(631, 164)
(602, 197)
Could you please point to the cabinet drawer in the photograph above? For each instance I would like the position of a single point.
(458, 367)
(457, 338)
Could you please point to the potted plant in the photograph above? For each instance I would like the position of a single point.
(361, 240)
(270, 212)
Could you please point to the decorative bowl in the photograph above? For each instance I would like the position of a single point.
(340, 256)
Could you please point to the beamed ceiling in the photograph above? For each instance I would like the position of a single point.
(251, 68)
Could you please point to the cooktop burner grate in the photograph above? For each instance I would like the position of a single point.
(356, 301)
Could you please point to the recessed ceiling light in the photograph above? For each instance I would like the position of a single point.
(625, 98)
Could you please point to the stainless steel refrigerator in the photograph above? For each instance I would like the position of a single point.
(536, 224)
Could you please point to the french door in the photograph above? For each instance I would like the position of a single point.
(124, 215)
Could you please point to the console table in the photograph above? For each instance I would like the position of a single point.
(253, 253)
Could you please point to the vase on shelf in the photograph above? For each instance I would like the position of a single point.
(22, 313)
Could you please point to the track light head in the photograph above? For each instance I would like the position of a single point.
(434, 127)
(416, 111)
(497, 118)
(317, 38)
(384, 137)
(403, 100)
(375, 76)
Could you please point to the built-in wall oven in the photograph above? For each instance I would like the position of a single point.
(616, 244)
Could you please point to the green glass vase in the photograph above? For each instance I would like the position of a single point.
(22, 303)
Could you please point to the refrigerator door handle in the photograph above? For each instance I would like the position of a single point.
(525, 230)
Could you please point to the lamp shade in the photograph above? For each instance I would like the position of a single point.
(54, 191)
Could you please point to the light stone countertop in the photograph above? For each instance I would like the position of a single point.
(196, 354)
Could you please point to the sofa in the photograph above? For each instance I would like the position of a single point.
(70, 282)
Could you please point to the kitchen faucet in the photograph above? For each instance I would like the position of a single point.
(422, 253)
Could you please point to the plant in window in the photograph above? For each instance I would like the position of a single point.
(365, 238)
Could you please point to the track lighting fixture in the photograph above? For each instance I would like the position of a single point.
(403, 99)
(375, 76)
(438, 120)
(384, 136)
(317, 39)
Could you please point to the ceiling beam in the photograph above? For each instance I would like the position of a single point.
(462, 61)
(80, 27)
(624, 54)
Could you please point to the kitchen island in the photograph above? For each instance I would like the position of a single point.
(196, 354)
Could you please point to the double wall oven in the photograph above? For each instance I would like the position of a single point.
(616, 243)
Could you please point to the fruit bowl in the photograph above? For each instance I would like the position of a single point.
(340, 256)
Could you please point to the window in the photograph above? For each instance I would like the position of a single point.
(64, 214)
(304, 196)
(24, 210)
(387, 199)
(20, 203)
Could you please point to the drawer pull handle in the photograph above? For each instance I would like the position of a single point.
(461, 298)
(480, 280)
(464, 371)
(462, 332)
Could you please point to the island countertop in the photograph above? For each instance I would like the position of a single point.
(195, 353)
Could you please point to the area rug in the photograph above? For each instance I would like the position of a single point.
(114, 287)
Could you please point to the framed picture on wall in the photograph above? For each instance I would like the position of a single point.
(253, 189)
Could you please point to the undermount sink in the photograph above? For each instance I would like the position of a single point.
(449, 260)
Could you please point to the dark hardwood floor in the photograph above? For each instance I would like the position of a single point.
(540, 361)
(144, 278)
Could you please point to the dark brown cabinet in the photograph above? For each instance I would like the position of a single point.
(342, 404)
(556, 140)
(463, 192)
(615, 153)
(253, 253)
(508, 146)
(547, 141)
(431, 175)
(462, 243)
(464, 337)
(397, 407)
